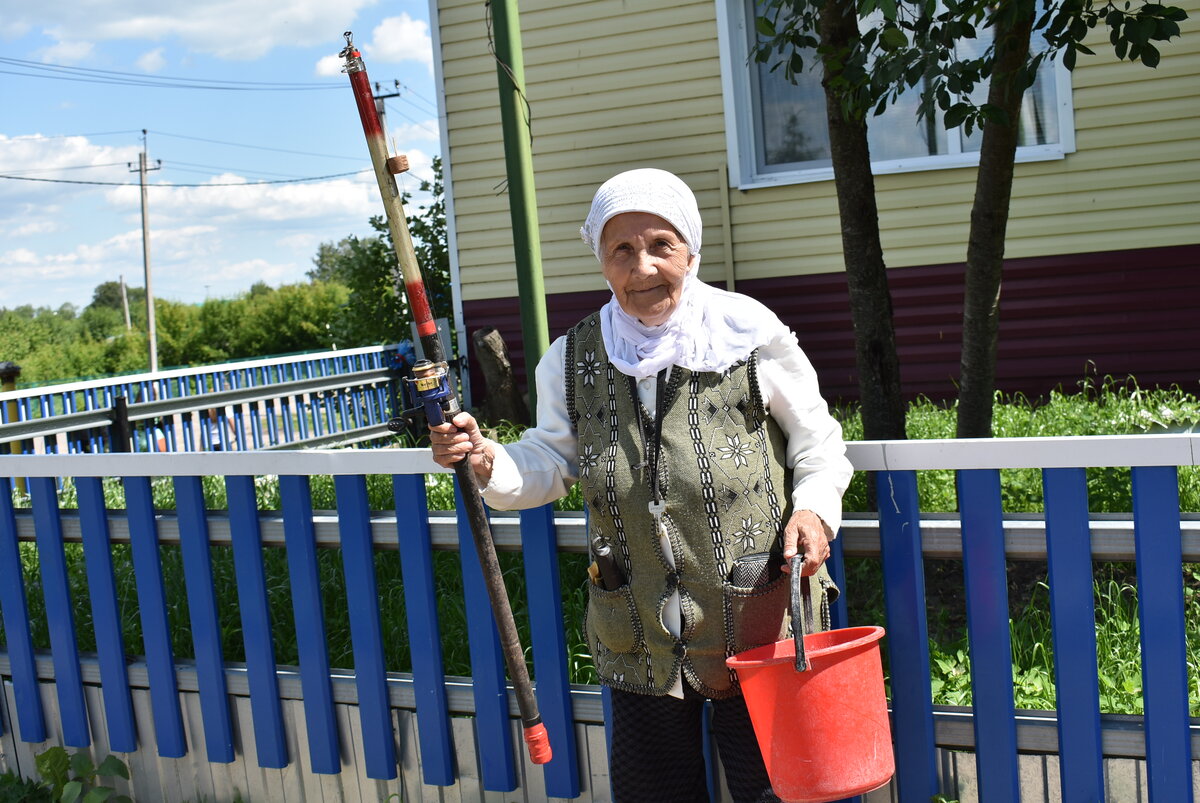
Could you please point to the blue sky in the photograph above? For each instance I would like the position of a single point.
(59, 240)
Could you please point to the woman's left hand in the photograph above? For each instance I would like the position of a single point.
(806, 533)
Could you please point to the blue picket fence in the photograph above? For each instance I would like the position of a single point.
(1070, 547)
(300, 399)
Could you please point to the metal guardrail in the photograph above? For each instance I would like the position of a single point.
(147, 411)
(301, 401)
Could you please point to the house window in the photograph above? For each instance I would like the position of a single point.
(776, 130)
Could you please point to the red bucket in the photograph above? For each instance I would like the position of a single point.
(823, 732)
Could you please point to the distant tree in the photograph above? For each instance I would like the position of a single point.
(292, 318)
(377, 311)
(179, 332)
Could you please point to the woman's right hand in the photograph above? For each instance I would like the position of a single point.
(458, 438)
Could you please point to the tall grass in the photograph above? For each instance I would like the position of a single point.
(1110, 408)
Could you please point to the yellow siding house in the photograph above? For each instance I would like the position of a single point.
(1103, 256)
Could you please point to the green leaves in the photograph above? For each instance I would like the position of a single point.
(916, 44)
(73, 778)
(111, 766)
(893, 39)
(957, 113)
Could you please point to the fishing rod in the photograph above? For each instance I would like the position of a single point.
(432, 389)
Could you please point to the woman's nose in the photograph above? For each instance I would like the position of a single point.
(644, 264)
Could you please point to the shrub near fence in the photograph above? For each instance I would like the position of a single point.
(983, 534)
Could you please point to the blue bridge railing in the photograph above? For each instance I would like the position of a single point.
(1155, 534)
(302, 400)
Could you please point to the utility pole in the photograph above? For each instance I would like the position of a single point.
(151, 333)
(379, 99)
(125, 303)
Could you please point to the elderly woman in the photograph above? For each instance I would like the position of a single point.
(707, 458)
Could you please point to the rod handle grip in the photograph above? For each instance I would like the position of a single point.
(537, 740)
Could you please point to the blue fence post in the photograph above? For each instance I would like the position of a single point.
(205, 625)
(269, 740)
(106, 617)
(424, 639)
(31, 718)
(56, 591)
(988, 635)
(908, 635)
(492, 726)
(309, 612)
(156, 629)
(539, 545)
(839, 615)
(1073, 627)
(366, 631)
(1159, 544)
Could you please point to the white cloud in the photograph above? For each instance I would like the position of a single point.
(29, 208)
(152, 60)
(410, 132)
(233, 29)
(81, 263)
(252, 270)
(401, 38)
(66, 51)
(245, 204)
(329, 65)
(46, 157)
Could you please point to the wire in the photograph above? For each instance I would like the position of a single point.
(56, 169)
(174, 163)
(254, 147)
(430, 105)
(229, 184)
(96, 76)
(69, 136)
(508, 70)
(425, 126)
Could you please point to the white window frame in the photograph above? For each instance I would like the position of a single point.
(736, 88)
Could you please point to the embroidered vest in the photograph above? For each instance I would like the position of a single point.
(728, 496)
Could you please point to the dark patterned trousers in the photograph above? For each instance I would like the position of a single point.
(657, 754)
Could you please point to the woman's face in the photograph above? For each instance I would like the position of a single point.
(645, 261)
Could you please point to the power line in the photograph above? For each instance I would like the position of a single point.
(255, 147)
(69, 136)
(97, 76)
(70, 167)
(229, 184)
(175, 163)
(424, 125)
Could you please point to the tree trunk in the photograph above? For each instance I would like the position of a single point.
(870, 299)
(989, 225)
(503, 402)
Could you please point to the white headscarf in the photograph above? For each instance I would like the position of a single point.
(709, 329)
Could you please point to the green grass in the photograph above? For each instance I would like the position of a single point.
(1109, 409)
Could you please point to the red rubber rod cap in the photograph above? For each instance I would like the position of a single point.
(538, 742)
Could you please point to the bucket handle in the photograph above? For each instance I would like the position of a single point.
(802, 610)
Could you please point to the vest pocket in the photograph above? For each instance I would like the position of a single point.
(756, 616)
(611, 619)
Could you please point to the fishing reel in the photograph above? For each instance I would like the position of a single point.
(430, 388)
